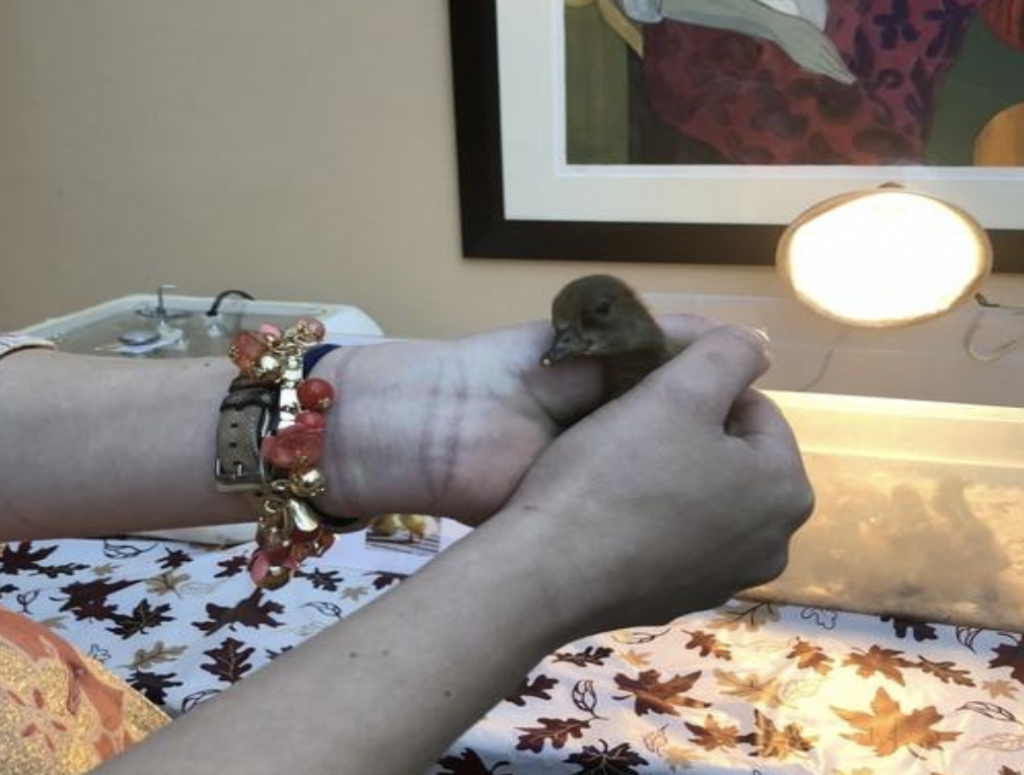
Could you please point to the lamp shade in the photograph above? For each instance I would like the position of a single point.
(884, 257)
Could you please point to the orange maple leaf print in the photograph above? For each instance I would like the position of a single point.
(888, 662)
(887, 728)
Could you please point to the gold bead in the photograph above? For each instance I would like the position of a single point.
(276, 577)
(269, 539)
(268, 368)
(302, 516)
(307, 484)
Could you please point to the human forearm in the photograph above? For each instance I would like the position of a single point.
(386, 690)
(100, 445)
(97, 445)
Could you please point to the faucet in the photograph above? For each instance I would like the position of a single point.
(160, 310)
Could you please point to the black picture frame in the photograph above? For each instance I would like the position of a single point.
(487, 233)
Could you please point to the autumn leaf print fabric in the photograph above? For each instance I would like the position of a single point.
(748, 688)
(768, 690)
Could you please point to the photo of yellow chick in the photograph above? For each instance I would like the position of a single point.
(407, 528)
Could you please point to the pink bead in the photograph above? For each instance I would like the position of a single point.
(279, 454)
(312, 420)
(259, 566)
(315, 394)
(248, 345)
(307, 450)
(268, 329)
(295, 448)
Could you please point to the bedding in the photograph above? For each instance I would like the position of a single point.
(748, 688)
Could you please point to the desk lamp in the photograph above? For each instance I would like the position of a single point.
(884, 257)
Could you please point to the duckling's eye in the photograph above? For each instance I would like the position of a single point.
(602, 308)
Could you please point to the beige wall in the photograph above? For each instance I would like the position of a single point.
(299, 149)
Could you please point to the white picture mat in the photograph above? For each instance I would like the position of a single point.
(540, 185)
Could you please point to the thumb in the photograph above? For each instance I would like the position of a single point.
(715, 370)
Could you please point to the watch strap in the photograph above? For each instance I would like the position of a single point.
(247, 416)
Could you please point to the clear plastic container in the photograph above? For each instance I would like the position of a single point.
(919, 514)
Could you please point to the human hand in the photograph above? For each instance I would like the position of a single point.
(450, 428)
(668, 500)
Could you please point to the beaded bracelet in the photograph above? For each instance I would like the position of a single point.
(291, 444)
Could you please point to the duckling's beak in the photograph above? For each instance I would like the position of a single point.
(567, 344)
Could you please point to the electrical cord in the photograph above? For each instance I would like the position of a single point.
(215, 307)
(825, 362)
(990, 354)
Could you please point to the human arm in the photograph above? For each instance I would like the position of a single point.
(96, 445)
(601, 533)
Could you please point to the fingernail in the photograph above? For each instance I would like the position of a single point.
(762, 334)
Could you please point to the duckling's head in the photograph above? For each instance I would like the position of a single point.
(600, 315)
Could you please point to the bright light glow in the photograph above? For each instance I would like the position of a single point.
(885, 258)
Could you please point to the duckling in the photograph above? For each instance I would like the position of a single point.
(600, 316)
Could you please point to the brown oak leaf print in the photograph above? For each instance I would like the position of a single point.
(230, 661)
(146, 658)
(557, 731)
(745, 615)
(888, 662)
(470, 763)
(946, 672)
(713, 735)
(537, 687)
(886, 728)
(1011, 655)
(653, 695)
(589, 656)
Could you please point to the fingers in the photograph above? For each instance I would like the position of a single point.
(713, 372)
(754, 416)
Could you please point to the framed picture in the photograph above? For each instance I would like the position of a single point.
(586, 132)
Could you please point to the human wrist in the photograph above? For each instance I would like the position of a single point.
(376, 453)
(507, 566)
(574, 601)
